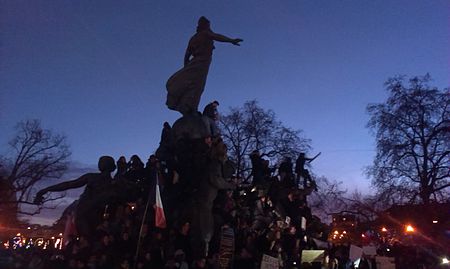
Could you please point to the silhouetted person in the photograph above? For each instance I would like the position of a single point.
(213, 181)
(136, 169)
(165, 134)
(210, 111)
(165, 151)
(257, 168)
(122, 168)
(286, 172)
(185, 87)
(301, 170)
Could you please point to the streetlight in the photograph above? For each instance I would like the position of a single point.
(409, 228)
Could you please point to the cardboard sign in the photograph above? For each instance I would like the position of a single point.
(385, 262)
(269, 262)
(226, 248)
(355, 253)
(370, 250)
(313, 256)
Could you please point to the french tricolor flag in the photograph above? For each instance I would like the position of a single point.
(160, 218)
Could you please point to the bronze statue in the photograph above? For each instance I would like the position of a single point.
(185, 87)
(98, 192)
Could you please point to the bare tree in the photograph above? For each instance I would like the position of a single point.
(328, 199)
(36, 154)
(250, 127)
(412, 130)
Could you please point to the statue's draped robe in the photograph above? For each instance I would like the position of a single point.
(185, 87)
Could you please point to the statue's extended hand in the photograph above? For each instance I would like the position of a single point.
(236, 41)
(39, 198)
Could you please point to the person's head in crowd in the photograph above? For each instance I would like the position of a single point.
(136, 162)
(106, 240)
(122, 162)
(292, 230)
(208, 141)
(153, 161)
(255, 154)
(140, 265)
(125, 236)
(72, 263)
(124, 264)
(83, 241)
(244, 253)
(200, 263)
(148, 256)
(262, 195)
(292, 195)
(81, 264)
(185, 228)
(179, 255)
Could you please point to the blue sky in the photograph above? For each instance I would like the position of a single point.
(96, 70)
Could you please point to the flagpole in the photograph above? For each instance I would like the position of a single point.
(142, 224)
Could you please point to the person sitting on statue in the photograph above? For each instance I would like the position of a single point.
(185, 87)
(213, 181)
(122, 168)
(165, 151)
(97, 194)
(210, 111)
(136, 171)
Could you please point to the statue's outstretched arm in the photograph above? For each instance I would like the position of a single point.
(72, 184)
(222, 38)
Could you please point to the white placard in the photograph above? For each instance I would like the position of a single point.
(355, 253)
(385, 262)
(369, 250)
(313, 256)
(269, 262)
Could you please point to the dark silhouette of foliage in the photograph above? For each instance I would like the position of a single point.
(412, 130)
(250, 127)
(36, 154)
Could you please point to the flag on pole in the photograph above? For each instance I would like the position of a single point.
(70, 229)
(160, 218)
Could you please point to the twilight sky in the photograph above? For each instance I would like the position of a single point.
(96, 70)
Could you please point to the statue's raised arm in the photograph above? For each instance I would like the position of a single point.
(96, 195)
(105, 164)
(185, 87)
(67, 185)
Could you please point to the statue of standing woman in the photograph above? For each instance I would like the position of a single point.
(185, 87)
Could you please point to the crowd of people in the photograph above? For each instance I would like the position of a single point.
(268, 216)
(205, 205)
